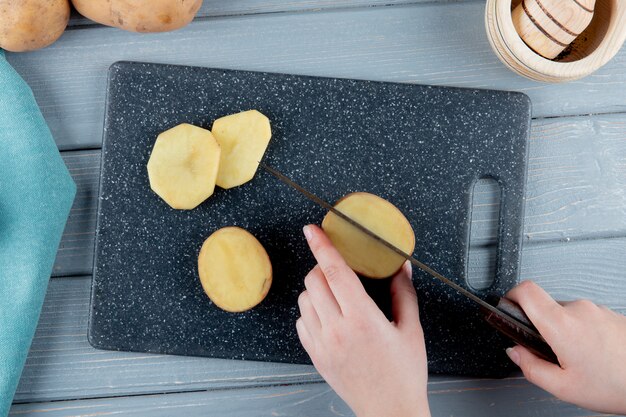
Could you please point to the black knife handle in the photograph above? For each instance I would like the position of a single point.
(534, 343)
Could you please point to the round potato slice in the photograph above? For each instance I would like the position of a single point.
(183, 166)
(234, 269)
(362, 253)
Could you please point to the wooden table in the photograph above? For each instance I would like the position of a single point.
(575, 226)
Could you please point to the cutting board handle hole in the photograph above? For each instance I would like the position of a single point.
(486, 196)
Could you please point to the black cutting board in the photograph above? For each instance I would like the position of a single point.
(420, 147)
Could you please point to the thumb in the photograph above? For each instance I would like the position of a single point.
(542, 373)
(403, 298)
(547, 315)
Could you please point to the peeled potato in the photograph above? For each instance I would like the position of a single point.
(26, 25)
(183, 166)
(234, 269)
(363, 254)
(140, 15)
(243, 138)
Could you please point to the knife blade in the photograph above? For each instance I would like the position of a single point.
(505, 316)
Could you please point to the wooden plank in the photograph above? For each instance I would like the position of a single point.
(400, 43)
(447, 396)
(576, 189)
(220, 8)
(63, 365)
(75, 254)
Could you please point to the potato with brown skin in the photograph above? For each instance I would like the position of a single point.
(140, 15)
(362, 253)
(26, 25)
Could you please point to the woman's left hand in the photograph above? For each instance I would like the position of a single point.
(378, 367)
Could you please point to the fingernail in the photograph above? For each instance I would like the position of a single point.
(513, 355)
(408, 268)
(308, 234)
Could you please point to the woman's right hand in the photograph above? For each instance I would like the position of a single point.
(590, 342)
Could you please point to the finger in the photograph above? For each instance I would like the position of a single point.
(541, 373)
(342, 281)
(308, 314)
(321, 296)
(547, 315)
(305, 337)
(404, 299)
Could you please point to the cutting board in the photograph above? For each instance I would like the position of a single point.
(421, 147)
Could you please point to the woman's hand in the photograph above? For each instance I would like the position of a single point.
(590, 342)
(378, 367)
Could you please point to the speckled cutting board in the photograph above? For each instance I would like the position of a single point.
(421, 147)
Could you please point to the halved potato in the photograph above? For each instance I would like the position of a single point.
(234, 269)
(183, 166)
(243, 138)
(363, 254)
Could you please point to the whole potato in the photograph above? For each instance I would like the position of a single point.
(140, 15)
(26, 25)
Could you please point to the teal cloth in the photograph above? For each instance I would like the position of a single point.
(36, 194)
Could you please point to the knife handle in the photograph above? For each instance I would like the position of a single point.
(534, 343)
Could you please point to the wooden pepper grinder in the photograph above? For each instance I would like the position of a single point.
(550, 26)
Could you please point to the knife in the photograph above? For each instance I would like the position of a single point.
(503, 314)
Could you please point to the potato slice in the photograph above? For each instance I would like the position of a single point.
(362, 253)
(183, 166)
(234, 269)
(243, 138)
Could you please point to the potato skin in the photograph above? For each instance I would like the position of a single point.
(140, 15)
(26, 25)
(228, 292)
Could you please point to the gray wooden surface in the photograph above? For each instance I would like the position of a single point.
(447, 398)
(575, 225)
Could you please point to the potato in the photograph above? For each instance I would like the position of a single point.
(183, 166)
(243, 138)
(234, 269)
(362, 253)
(26, 25)
(140, 15)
